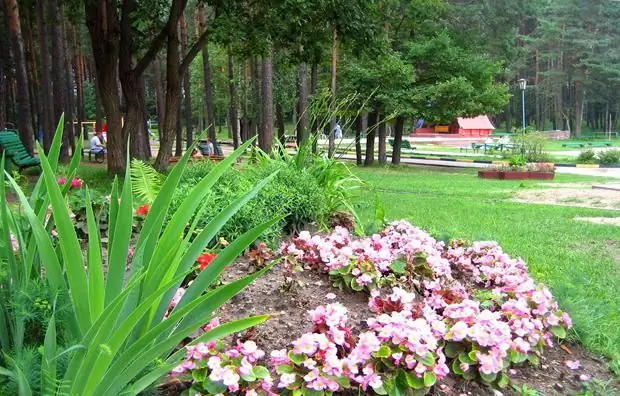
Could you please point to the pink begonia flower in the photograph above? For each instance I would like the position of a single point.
(286, 379)
(584, 377)
(330, 296)
(573, 364)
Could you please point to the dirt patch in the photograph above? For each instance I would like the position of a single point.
(290, 308)
(584, 198)
(615, 221)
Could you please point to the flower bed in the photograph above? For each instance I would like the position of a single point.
(465, 310)
(537, 171)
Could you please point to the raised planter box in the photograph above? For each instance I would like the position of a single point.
(515, 175)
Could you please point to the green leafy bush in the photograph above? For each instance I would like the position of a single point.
(609, 157)
(292, 193)
(116, 337)
(587, 157)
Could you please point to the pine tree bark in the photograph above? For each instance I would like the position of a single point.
(187, 103)
(332, 137)
(102, 25)
(359, 128)
(26, 132)
(245, 122)
(382, 135)
(158, 84)
(2, 95)
(266, 136)
(302, 104)
(257, 111)
(370, 139)
(79, 84)
(579, 96)
(58, 74)
(398, 138)
(68, 75)
(31, 68)
(208, 86)
(232, 90)
(47, 98)
(280, 123)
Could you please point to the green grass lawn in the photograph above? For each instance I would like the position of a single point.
(574, 258)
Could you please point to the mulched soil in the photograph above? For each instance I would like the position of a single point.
(289, 307)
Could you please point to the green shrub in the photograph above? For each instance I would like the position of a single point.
(587, 157)
(293, 193)
(609, 157)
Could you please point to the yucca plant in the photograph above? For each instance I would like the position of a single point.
(119, 340)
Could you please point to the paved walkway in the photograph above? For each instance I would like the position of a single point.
(604, 172)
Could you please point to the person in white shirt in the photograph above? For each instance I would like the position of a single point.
(338, 132)
(96, 145)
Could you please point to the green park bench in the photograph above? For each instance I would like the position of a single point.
(599, 144)
(588, 144)
(404, 144)
(15, 150)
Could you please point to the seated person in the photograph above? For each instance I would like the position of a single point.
(96, 145)
(504, 140)
(489, 140)
(206, 148)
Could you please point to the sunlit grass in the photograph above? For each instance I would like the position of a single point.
(577, 260)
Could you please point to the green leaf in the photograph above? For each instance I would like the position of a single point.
(453, 349)
(413, 381)
(503, 381)
(533, 359)
(398, 267)
(456, 367)
(383, 352)
(284, 369)
(297, 359)
(146, 182)
(214, 388)
(69, 246)
(464, 358)
(260, 372)
(558, 331)
(488, 377)
(96, 284)
(429, 379)
(428, 360)
(354, 285)
(516, 357)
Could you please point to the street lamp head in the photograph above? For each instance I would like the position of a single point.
(522, 84)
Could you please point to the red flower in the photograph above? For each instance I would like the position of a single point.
(143, 210)
(205, 259)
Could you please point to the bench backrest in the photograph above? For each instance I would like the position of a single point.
(13, 146)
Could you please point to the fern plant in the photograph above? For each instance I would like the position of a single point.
(146, 182)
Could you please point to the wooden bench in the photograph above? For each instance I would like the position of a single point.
(15, 150)
(574, 144)
(99, 155)
(599, 144)
(403, 144)
(588, 144)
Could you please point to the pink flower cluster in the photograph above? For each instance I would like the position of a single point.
(366, 262)
(329, 358)
(75, 182)
(227, 371)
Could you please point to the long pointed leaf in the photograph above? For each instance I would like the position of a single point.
(70, 247)
(96, 284)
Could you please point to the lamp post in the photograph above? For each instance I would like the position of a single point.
(523, 85)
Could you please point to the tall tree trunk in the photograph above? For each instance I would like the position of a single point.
(245, 135)
(26, 132)
(158, 85)
(265, 139)
(101, 22)
(31, 66)
(302, 104)
(359, 128)
(398, 138)
(382, 135)
(232, 90)
(206, 69)
(3, 100)
(257, 113)
(79, 82)
(68, 74)
(47, 94)
(579, 95)
(189, 121)
(280, 123)
(314, 78)
(332, 137)
(58, 73)
(370, 139)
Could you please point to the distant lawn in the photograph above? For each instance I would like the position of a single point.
(575, 259)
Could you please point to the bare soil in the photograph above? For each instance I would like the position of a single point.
(572, 194)
(614, 221)
(289, 306)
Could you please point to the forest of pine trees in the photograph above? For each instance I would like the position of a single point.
(253, 66)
